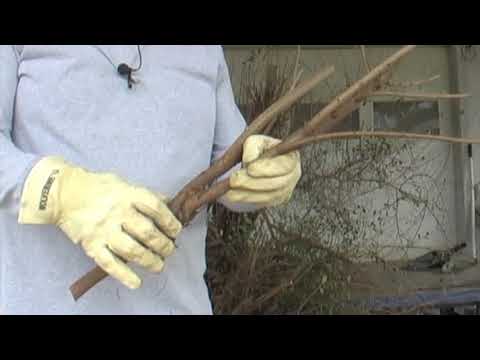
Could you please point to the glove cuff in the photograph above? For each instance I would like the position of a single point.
(39, 201)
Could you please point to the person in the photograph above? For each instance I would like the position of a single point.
(94, 140)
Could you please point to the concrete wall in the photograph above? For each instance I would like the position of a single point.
(466, 65)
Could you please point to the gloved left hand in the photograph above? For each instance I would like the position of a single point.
(264, 182)
(113, 221)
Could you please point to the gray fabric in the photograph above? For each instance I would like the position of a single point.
(69, 101)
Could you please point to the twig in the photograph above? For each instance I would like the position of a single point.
(312, 294)
(296, 78)
(297, 274)
(426, 96)
(423, 82)
(364, 57)
(296, 75)
(413, 84)
(380, 134)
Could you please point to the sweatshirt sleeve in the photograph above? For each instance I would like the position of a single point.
(14, 164)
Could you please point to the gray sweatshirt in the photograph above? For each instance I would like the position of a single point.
(69, 101)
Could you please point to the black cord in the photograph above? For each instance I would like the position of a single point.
(124, 69)
(111, 62)
(105, 55)
(140, 57)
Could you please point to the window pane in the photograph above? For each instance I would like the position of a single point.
(414, 117)
(351, 123)
(305, 112)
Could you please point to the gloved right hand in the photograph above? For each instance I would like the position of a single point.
(112, 220)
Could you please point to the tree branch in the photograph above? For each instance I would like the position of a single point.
(364, 58)
(234, 154)
(424, 96)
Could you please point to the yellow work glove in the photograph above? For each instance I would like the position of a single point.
(112, 220)
(265, 182)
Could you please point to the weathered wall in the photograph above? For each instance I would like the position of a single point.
(465, 67)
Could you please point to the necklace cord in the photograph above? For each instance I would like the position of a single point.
(111, 62)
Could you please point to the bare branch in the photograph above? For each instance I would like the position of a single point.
(424, 96)
(364, 58)
(380, 134)
(297, 78)
(412, 84)
(423, 82)
(296, 74)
